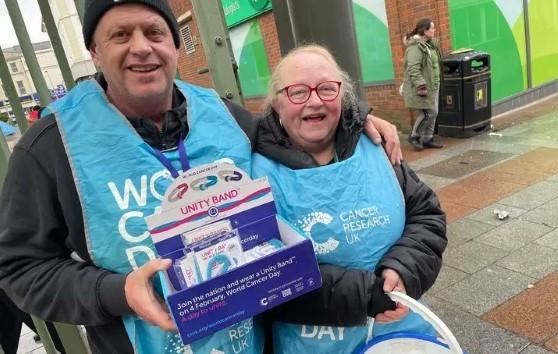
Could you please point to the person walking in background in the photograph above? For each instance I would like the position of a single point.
(421, 83)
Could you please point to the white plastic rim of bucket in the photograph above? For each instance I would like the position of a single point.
(429, 316)
(405, 343)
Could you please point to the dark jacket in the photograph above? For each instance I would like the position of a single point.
(45, 266)
(349, 295)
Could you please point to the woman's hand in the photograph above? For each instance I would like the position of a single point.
(422, 91)
(392, 283)
(376, 129)
(143, 300)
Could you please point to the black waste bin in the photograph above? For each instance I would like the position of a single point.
(465, 105)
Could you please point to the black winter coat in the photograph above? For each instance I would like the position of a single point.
(348, 296)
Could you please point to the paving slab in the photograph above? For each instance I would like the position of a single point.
(25, 329)
(454, 211)
(486, 289)
(487, 216)
(543, 160)
(462, 194)
(544, 215)
(464, 230)
(492, 144)
(411, 155)
(532, 313)
(552, 344)
(474, 335)
(514, 234)
(508, 138)
(532, 260)
(27, 343)
(464, 164)
(534, 349)
(511, 171)
(447, 277)
(472, 256)
(533, 196)
(425, 161)
(435, 182)
(549, 240)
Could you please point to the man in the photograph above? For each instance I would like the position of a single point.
(74, 244)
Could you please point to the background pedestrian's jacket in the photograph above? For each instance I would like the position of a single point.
(419, 70)
(349, 295)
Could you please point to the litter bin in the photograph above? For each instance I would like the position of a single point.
(465, 105)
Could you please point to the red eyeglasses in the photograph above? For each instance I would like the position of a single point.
(300, 93)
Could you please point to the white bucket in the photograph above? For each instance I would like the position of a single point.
(413, 343)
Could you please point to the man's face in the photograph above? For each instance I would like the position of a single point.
(134, 48)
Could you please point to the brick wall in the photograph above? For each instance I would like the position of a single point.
(402, 16)
(190, 64)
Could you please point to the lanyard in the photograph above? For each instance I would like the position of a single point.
(167, 163)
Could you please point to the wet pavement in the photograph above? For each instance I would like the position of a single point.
(498, 289)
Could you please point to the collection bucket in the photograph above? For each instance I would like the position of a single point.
(413, 343)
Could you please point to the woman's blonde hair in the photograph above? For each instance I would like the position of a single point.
(349, 98)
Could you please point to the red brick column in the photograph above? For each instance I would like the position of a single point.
(190, 64)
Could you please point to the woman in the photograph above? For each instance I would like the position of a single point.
(343, 194)
(421, 83)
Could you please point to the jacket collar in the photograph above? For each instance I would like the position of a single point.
(175, 124)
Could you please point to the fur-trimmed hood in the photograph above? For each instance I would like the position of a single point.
(423, 42)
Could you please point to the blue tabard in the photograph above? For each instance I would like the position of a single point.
(353, 211)
(120, 181)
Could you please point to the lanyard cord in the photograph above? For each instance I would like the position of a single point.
(167, 163)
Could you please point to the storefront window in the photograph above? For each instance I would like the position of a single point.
(373, 41)
(496, 27)
(543, 33)
(249, 53)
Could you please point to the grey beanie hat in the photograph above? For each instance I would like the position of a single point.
(95, 9)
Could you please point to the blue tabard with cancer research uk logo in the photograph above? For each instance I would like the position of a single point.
(120, 181)
(353, 211)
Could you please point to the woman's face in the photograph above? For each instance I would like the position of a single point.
(311, 125)
(431, 31)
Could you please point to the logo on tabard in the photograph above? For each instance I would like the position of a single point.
(307, 222)
(259, 4)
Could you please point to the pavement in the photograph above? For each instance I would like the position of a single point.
(498, 288)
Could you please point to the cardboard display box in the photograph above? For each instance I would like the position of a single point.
(221, 194)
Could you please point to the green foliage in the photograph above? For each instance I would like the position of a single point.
(4, 117)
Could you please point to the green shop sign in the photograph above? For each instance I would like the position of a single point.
(238, 11)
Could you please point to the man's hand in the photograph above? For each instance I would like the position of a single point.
(142, 299)
(392, 283)
(376, 129)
